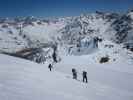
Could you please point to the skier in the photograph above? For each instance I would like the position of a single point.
(74, 73)
(50, 66)
(84, 76)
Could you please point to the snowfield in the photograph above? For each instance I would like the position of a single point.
(24, 80)
(100, 43)
(43, 32)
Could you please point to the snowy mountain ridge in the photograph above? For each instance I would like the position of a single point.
(100, 44)
(81, 35)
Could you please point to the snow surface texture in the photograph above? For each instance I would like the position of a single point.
(25, 80)
(73, 42)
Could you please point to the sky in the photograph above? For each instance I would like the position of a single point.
(59, 8)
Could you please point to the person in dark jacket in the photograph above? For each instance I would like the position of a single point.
(74, 73)
(84, 76)
(50, 67)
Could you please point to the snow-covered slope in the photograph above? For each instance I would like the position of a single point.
(100, 43)
(10, 41)
(79, 35)
(25, 80)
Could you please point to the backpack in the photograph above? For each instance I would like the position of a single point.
(84, 73)
(73, 70)
(50, 66)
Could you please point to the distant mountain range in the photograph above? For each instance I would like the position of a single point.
(43, 40)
